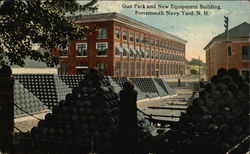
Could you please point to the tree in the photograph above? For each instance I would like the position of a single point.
(24, 23)
(195, 61)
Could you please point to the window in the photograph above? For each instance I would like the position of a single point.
(148, 69)
(161, 69)
(156, 54)
(157, 69)
(170, 69)
(147, 41)
(165, 69)
(131, 37)
(118, 50)
(124, 36)
(102, 48)
(63, 69)
(63, 51)
(229, 51)
(160, 44)
(126, 51)
(117, 68)
(153, 69)
(143, 53)
(152, 42)
(102, 67)
(143, 69)
(117, 33)
(102, 33)
(81, 49)
(132, 69)
(81, 68)
(245, 52)
(152, 54)
(81, 71)
(125, 69)
(131, 54)
(147, 53)
(164, 45)
(143, 39)
(157, 43)
(137, 69)
(82, 64)
(246, 74)
(137, 38)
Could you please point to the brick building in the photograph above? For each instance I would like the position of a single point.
(123, 46)
(234, 53)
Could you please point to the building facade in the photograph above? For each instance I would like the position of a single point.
(123, 46)
(234, 53)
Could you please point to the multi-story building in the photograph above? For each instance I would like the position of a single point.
(233, 52)
(123, 46)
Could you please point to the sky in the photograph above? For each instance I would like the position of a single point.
(198, 30)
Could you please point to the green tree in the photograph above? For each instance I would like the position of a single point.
(24, 23)
(195, 61)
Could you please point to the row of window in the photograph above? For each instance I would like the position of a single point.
(82, 67)
(245, 52)
(125, 51)
(102, 34)
(81, 49)
(147, 41)
(121, 69)
(101, 48)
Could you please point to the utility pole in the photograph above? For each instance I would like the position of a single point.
(199, 69)
(226, 32)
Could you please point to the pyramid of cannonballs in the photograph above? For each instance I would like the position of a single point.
(25, 101)
(46, 87)
(216, 121)
(89, 114)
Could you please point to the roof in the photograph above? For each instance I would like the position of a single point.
(127, 20)
(29, 63)
(240, 31)
(32, 64)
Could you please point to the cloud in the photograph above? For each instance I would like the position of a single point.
(109, 6)
(198, 37)
(117, 6)
(220, 12)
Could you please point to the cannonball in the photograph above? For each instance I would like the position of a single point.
(227, 79)
(215, 94)
(213, 127)
(202, 110)
(215, 80)
(207, 118)
(233, 72)
(219, 119)
(221, 72)
(221, 87)
(226, 110)
(225, 129)
(197, 102)
(233, 86)
(224, 147)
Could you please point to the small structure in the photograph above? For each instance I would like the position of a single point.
(234, 53)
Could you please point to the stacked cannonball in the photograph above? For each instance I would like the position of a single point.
(26, 101)
(216, 121)
(144, 125)
(89, 114)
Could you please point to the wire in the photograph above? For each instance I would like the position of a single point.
(27, 112)
(237, 145)
(19, 129)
